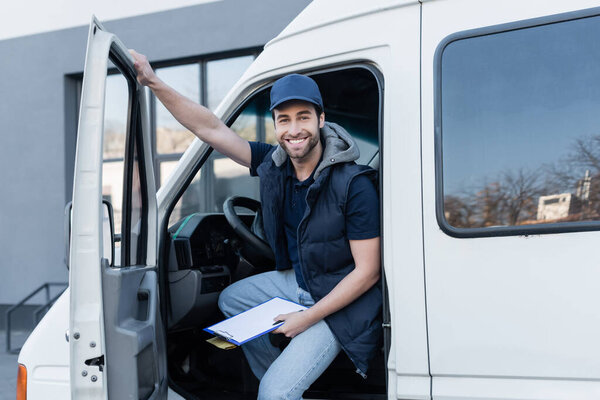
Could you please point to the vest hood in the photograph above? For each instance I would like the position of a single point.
(338, 147)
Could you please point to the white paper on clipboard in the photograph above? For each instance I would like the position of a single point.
(254, 322)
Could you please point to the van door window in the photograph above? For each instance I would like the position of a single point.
(519, 148)
(120, 148)
(115, 132)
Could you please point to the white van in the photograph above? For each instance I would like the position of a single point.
(483, 120)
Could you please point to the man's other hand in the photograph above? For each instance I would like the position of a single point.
(145, 74)
(294, 323)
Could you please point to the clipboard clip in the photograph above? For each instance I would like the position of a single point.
(223, 335)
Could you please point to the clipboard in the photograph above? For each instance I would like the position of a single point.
(254, 322)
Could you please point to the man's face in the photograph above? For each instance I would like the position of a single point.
(297, 128)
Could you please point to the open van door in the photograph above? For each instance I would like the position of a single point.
(116, 336)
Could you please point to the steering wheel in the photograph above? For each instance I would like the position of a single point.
(257, 250)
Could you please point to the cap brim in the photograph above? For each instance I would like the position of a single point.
(295, 98)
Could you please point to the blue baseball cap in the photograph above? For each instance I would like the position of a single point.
(295, 87)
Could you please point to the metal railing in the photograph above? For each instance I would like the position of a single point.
(37, 314)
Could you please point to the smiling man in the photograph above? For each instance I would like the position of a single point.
(321, 218)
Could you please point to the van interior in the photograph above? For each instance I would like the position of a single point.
(204, 254)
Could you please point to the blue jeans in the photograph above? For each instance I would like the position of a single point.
(287, 374)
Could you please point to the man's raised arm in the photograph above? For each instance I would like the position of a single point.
(198, 119)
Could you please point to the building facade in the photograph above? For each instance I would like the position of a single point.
(201, 50)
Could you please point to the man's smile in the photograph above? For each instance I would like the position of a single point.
(296, 141)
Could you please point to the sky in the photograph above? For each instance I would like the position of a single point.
(518, 100)
(26, 17)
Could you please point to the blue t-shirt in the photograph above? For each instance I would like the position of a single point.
(362, 206)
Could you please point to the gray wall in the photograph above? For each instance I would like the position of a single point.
(38, 118)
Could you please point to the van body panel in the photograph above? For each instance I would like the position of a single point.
(319, 14)
(408, 386)
(457, 388)
(46, 354)
(509, 317)
(403, 248)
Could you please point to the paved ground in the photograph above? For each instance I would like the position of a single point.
(8, 365)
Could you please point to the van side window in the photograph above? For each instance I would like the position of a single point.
(519, 130)
(351, 99)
